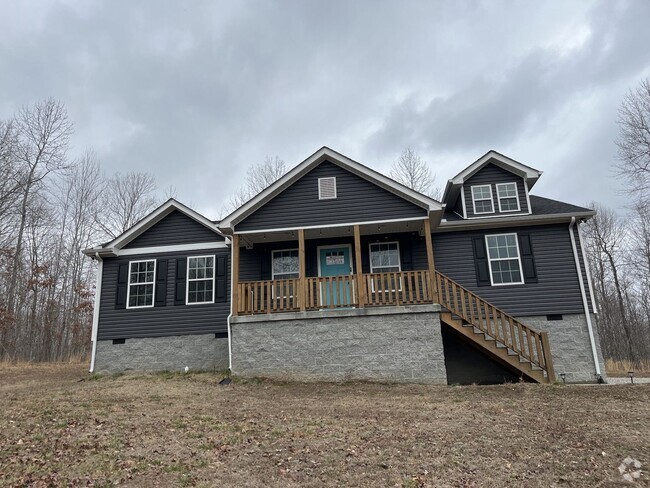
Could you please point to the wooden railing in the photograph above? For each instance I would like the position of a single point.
(331, 292)
(398, 288)
(505, 329)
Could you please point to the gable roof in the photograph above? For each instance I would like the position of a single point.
(528, 173)
(149, 221)
(326, 154)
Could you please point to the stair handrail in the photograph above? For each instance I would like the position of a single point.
(539, 355)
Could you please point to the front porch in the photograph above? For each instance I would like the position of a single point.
(346, 274)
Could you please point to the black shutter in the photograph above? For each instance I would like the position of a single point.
(161, 283)
(220, 278)
(122, 283)
(481, 261)
(181, 270)
(365, 257)
(265, 265)
(527, 258)
(407, 255)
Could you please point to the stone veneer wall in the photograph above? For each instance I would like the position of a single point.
(382, 344)
(201, 352)
(570, 346)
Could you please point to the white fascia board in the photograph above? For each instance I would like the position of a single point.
(156, 216)
(329, 226)
(516, 167)
(312, 161)
(511, 220)
(199, 246)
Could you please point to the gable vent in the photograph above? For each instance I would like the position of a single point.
(327, 188)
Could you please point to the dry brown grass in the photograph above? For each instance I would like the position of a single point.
(621, 368)
(62, 427)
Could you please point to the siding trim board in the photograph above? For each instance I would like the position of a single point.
(316, 227)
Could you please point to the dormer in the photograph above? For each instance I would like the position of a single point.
(493, 186)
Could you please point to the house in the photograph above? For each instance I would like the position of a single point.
(337, 272)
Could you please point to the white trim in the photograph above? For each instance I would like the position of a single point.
(505, 220)
(462, 197)
(153, 218)
(312, 161)
(585, 303)
(516, 197)
(487, 252)
(530, 208)
(232, 306)
(187, 279)
(474, 199)
(502, 161)
(311, 227)
(585, 258)
(152, 283)
(199, 246)
(334, 246)
(320, 194)
(284, 250)
(98, 298)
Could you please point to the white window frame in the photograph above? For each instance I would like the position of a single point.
(273, 273)
(399, 265)
(320, 196)
(474, 199)
(516, 197)
(487, 252)
(153, 283)
(187, 279)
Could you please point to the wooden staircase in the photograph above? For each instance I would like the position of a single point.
(498, 334)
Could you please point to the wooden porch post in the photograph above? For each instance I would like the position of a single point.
(302, 295)
(430, 259)
(235, 274)
(359, 269)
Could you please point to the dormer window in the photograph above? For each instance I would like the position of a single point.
(327, 188)
(508, 197)
(482, 199)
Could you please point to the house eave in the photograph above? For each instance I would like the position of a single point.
(512, 221)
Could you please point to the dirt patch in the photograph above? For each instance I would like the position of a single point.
(62, 427)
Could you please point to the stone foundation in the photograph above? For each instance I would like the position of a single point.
(570, 346)
(401, 344)
(199, 352)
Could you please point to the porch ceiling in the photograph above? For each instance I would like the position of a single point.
(333, 231)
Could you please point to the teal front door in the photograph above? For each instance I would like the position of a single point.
(335, 261)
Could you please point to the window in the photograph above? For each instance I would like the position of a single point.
(508, 197)
(384, 258)
(482, 199)
(327, 188)
(141, 281)
(200, 280)
(286, 264)
(503, 258)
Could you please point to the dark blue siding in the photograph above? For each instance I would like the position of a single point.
(492, 174)
(358, 200)
(176, 228)
(169, 320)
(557, 290)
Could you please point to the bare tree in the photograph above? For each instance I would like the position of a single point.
(43, 133)
(634, 139)
(127, 198)
(258, 177)
(412, 171)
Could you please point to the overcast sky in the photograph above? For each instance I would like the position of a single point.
(196, 91)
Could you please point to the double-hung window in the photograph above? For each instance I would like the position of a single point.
(482, 199)
(504, 259)
(142, 275)
(384, 258)
(285, 265)
(200, 279)
(508, 197)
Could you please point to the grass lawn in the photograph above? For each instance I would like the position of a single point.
(61, 427)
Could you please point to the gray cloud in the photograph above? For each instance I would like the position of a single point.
(196, 91)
